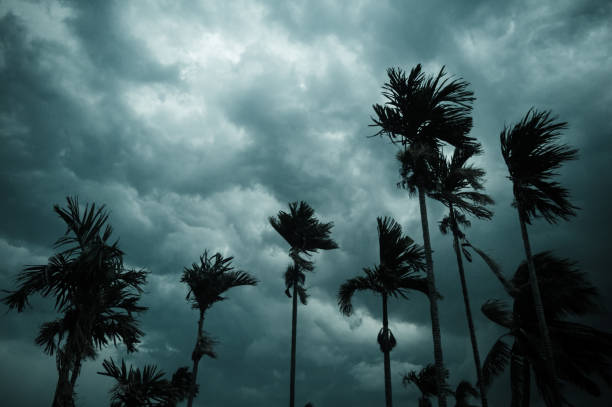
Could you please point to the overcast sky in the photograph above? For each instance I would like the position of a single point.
(195, 122)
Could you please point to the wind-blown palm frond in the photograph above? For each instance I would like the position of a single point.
(581, 352)
(146, 387)
(425, 380)
(463, 392)
(211, 278)
(532, 153)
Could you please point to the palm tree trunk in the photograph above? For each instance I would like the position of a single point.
(63, 390)
(433, 302)
(293, 338)
(468, 311)
(388, 394)
(76, 371)
(539, 310)
(196, 356)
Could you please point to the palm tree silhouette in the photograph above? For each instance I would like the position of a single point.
(136, 388)
(401, 262)
(426, 381)
(458, 187)
(305, 235)
(420, 113)
(580, 351)
(532, 155)
(207, 281)
(97, 296)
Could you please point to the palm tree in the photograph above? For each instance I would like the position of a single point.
(458, 188)
(207, 281)
(580, 351)
(532, 154)
(136, 388)
(305, 235)
(421, 113)
(401, 261)
(426, 381)
(97, 296)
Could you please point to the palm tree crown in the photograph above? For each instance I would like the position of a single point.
(401, 261)
(532, 154)
(580, 351)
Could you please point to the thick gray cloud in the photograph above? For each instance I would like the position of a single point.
(194, 123)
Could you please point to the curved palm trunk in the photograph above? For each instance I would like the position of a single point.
(468, 311)
(293, 338)
(433, 302)
(388, 394)
(539, 310)
(196, 356)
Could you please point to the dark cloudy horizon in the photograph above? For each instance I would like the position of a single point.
(196, 121)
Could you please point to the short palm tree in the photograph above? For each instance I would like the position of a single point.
(532, 154)
(401, 262)
(420, 114)
(458, 187)
(580, 351)
(96, 295)
(426, 381)
(305, 235)
(146, 387)
(207, 280)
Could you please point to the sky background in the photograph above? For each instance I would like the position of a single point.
(196, 121)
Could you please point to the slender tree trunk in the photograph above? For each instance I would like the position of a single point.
(539, 310)
(63, 390)
(468, 311)
(388, 393)
(293, 339)
(433, 302)
(526, 384)
(196, 356)
(75, 372)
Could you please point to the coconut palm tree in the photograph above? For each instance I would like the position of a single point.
(146, 387)
(96, 295)
(458, 187)
(401, 262)
(581, 352)
(532, 154)
(207, 281)
(421, 113)
(305, 235)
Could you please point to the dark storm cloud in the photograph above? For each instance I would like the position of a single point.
(194, 123)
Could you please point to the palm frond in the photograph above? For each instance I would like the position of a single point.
(498, 312)
(496, 361)
(533, 154)
(346, 291)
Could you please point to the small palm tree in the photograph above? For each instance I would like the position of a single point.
(136, 388)
(426, 381)
(421, 113)
(97, 296)
(207, 281)
(458, 187)
(581, 351)
(401, 262)
(532, 154)
(305, 235)
(464, 391)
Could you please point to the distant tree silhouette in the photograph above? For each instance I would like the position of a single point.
(136, 388)
(401, 262)
(426, 381)
(580, 351)
(532, 154)
(305, 235)
(207, 281)
(97, 296)
(421, 113)
(458, 187)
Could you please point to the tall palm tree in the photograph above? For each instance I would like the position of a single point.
(532, 154)
(146, 387)
(401, 262)
(580, 351)
(458, 187)
(421, 113)
(96, 294)
(305, 235)
(207, 281)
